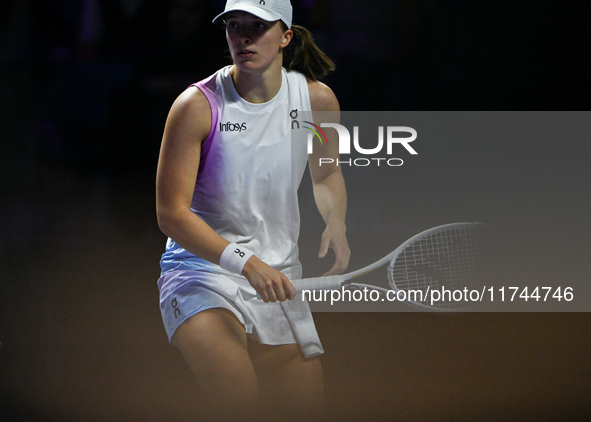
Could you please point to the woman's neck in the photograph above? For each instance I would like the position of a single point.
(257, 87)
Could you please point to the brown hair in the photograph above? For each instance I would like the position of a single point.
(303, 55)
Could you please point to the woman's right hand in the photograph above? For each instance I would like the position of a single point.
(270, 284)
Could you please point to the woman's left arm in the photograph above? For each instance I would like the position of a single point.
(327, 180)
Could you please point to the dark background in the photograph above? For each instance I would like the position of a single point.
(84, 93)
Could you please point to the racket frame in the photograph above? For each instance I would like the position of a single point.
(338, 281)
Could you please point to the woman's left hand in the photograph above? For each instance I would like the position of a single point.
(334, 237)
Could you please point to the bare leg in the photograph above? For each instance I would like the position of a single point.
(214, 345)
(291, 386)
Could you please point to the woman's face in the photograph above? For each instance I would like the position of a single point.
(254, 43)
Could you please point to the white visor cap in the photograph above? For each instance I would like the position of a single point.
(269, 10)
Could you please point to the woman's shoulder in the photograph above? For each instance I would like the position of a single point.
(191, 112)
(322, 98)
(191, 100)
(198, 97)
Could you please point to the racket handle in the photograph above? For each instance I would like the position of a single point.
(331, 282)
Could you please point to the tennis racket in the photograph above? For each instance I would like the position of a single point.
(444, 258)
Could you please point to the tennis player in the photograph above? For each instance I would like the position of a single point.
(227, 198)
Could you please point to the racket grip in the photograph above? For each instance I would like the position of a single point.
(331, 282)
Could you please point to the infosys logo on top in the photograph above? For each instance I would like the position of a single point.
(232, 127)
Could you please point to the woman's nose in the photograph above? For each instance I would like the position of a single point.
(244, 37)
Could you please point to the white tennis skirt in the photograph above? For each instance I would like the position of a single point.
(185, 293)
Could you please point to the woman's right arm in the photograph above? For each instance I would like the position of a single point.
(187, 126)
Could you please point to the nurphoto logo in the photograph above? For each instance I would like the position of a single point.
(390, 139)
(386, 137)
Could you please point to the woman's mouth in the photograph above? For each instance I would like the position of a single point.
(245, 53)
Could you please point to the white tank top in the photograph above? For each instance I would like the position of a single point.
(249, 173)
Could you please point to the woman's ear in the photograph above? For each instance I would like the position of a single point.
(287, 36)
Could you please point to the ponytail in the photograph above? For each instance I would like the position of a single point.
(304, 56)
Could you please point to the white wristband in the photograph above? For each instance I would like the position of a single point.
(234, 257)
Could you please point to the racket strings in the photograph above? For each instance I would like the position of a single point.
(443, 260)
